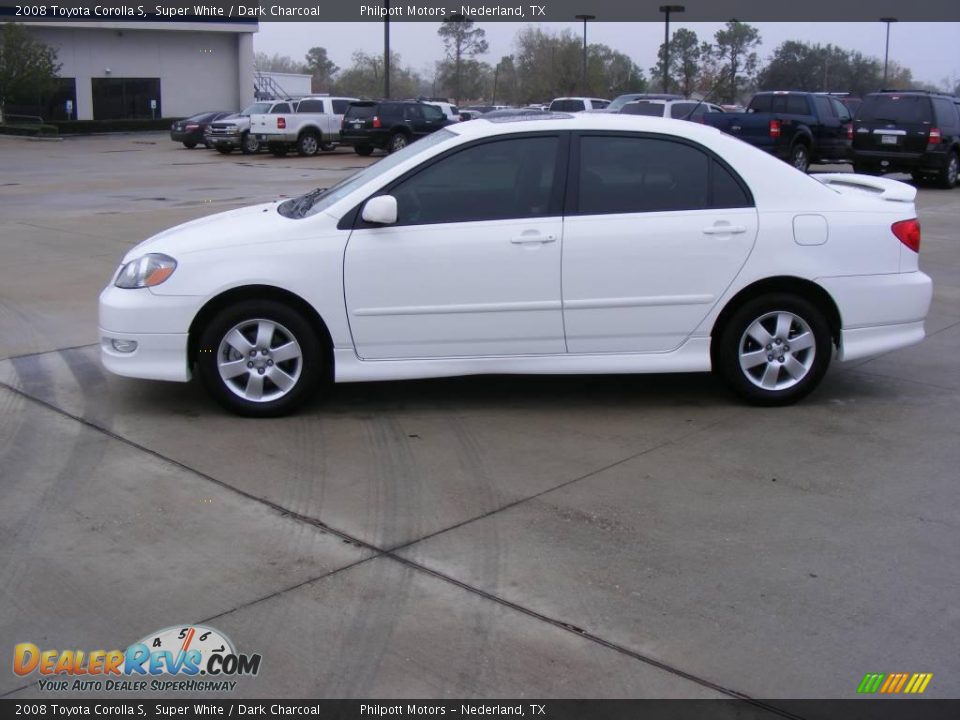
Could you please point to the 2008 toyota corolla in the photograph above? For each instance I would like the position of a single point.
(588, 244)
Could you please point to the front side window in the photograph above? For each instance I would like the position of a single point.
(497, 180)
(643, 174)
(432, 112)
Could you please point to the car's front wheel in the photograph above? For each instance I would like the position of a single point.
(249, 145)
(362, 150)
(260, 358)
(398, 141)
(774, 349)
(224, 149)
(189, 144)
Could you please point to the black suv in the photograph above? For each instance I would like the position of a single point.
(388, 124)
(911, 131)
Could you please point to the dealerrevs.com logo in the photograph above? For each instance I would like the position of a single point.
(180, 658)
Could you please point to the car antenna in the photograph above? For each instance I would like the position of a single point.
(702, 100)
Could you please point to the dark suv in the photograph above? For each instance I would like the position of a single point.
(911, 131)
(388, 124)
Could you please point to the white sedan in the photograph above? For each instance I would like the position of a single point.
(559, 244)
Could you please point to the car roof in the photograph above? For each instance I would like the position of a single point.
(600, 121)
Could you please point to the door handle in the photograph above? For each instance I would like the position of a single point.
(533, 239)
(724, 230)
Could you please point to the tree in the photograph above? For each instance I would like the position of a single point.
(685, 55)
(734, 51)
(321, 68)
(28, 67)
(364, 78)
(278, 63)
(461, 40)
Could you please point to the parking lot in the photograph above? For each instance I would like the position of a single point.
(613, 536)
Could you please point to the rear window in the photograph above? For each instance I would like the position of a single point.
(905, 109)
(567, 106)
(361, 111)
(788, 104)
(643, 108)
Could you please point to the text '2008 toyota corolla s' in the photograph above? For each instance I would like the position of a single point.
(556, 244)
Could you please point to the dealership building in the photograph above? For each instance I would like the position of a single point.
(117, 70)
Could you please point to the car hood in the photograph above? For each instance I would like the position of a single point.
(244, 226)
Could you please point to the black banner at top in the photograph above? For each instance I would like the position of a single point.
(228, 11)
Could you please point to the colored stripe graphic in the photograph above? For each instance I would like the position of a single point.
(894, 683)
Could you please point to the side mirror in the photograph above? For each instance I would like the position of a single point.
(381, 210)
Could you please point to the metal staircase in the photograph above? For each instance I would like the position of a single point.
(266, 88)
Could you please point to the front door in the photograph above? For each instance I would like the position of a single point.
(471, 268)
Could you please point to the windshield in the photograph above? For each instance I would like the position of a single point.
(259, 108)
(314, 202)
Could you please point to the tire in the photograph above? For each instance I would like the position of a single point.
(189, 144)
(363, 150)
(224, 149)
(249, 145)
(308, 145)
(398, 141)
(278, 149)
(947, 177)
(800, 157)
(260, 384)
(328, 147)
(761, 332)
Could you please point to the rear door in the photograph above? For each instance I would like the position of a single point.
(655, 230)
(891, 122)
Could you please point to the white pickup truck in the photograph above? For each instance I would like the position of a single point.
(234, 131)
(314, 126)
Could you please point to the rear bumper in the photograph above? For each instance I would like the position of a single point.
(880, 313)
(899, 161)
(183, 136)
(377, 140)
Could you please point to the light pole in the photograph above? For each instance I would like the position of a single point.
(584, 76)
(667, 9)
(886, 52)
(386, 50)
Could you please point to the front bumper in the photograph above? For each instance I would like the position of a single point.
(158, 324)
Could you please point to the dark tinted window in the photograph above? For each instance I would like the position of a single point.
(643, 108)
(391, 110)
(281, 108)
(340, 106)
(680, 111)
(412, 112)
(790, 104)
(840, 110)
(567, 105)
(824, 108)
(361, 111)
(631, 175)
(496, 180)
(432, 112)
(906, 109)
(727, 192)
(310, 106)
(600, 104)
(761, 103)
(946, 112)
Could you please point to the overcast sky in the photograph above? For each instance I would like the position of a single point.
(931, 50)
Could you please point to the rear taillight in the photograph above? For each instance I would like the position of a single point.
(934, 138)
(376, 122)
(281, 123)
(908, 232)
(774, 128)
(849, 131)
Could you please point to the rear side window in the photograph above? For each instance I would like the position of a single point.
(432, 112)
(310, 106)
(644, 174)
(391, 110)
(340, 106)
(567, 106)
(281, 108)
(897, 109)
(681, 111)
(841, 110)
(412, 112)
(361, 112)
(600, 104)
(946, 113)
(761, 103)
(643, 108)
(824, 108)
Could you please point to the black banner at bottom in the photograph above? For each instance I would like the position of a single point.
(858, 709)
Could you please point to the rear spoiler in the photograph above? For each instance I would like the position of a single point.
(882, 188)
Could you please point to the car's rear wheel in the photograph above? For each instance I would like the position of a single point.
(398, 141)
(249, 145)
(189, 144)
(224, 149)
(774, 349)
(328, 147)
(260, 358)
(947, 177)
(800, 157)
(363, 150)
(308, 144)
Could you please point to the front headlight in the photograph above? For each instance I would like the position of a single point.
(146, 271)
